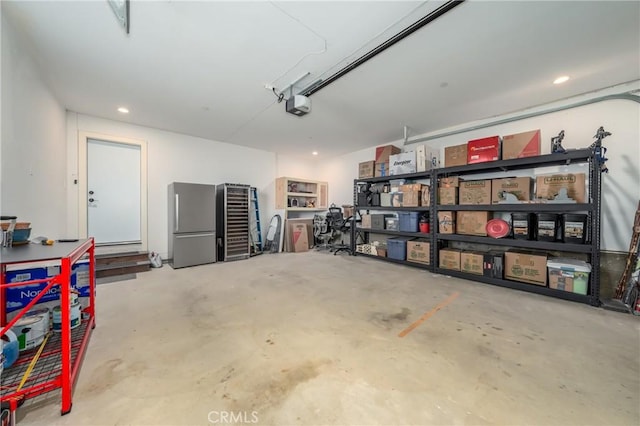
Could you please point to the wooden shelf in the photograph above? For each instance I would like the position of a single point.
(314, 189)
(302, 194)
(305, 209)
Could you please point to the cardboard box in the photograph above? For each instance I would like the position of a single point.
(419, 251)
(427, 158)
(518, 187)
(421, 158)
(384, 152)
(381, 251)
(366, 221)
(475, 192)
(426, 195)
(455, 155)
(288, 239)
(80, 278)
(472, 262)
(19, 297)
(449, 182)
(400, 164)
(382, 169)
(348, 211)
(412, 194)
(412, 199)
(447, 222)
(472, 223)
(493, 264)
(526, 267)
(450, 259)
(300, 238)
(411, 187)
(366, 169)
(395, 185)
(520, 145)
(447, 196)
(569, 184)
(483, 150)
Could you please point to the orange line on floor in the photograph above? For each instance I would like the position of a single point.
(429, 314)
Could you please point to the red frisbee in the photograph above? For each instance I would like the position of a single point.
(498, 228)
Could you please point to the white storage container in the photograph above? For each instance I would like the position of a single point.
(569, 275)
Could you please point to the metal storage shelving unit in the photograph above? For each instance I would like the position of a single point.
(59, 363)
(234, 240)
(592, 208)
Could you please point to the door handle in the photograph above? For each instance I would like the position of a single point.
(177, 210)
(200, 235)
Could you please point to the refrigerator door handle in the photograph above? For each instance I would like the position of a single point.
(199, 235)
(177, 211)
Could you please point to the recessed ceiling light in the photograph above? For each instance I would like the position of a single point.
(123, 110)
(314, 153)
(561, 80)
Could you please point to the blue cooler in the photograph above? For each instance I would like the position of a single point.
(409, 221)
(397, 248)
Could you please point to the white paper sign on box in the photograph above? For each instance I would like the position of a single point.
(400, 164)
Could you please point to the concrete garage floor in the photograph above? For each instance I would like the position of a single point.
(312, 339)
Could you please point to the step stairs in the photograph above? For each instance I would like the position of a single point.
(126, 264)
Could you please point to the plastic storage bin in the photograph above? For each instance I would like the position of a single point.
(397, 248)
(569, 275)
(409, 221)
(522, 225)
(546, 227)
(574, 227)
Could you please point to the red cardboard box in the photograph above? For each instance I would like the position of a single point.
(482, 150)
(383, 153)
(521, 145)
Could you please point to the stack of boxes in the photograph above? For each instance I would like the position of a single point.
(382, 159)
(492, 148)
(514, 265)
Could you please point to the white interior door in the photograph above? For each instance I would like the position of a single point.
(114, 211)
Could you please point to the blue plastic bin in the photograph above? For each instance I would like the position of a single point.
(397, 248)
(409, 221)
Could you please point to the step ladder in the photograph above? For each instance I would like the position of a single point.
(256, 231)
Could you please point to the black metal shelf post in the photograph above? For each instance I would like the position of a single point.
(592, 208)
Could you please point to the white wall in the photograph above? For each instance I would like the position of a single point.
(33, 143)
(297, 167)
(180, 158)
(621, 186)
(39, 155)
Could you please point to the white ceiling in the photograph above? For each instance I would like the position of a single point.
(200, 68)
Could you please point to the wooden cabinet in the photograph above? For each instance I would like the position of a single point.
(294, 194)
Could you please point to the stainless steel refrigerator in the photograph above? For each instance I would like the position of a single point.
(192, 224)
